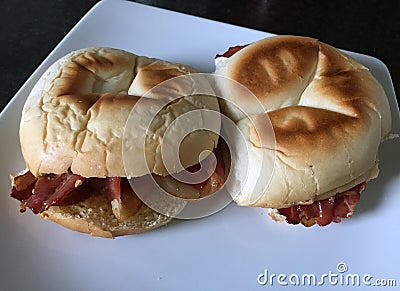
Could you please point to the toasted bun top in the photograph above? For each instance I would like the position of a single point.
(75, 115)
(327, 111)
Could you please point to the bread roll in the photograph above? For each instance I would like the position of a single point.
(328, 114)
(76, 114)
(74, 120)
(95, 217)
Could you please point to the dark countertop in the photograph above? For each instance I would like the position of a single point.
(31, 29)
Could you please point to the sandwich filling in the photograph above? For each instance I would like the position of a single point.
(40, 193)
(322, 212)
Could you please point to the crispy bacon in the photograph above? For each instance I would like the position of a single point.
(216, 179)
(23, 186)
(325, 211)
(128, 203)
(345, 204)
(113, 188)
(40, 193)
(124, 201)
(78, 194)
(51, 190)
(231, 51)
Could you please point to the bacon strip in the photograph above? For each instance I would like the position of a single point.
(345, 204)
(325, 211)
(124, 201)
(231, 51)
(127, 204)
(216, 179)
(113, 188)
(23, 186)
(40, 193)
(51, 190)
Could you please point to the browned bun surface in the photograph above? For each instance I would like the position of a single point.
(328, 113)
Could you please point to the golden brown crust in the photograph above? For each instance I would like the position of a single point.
(328, 113)
(269, 71)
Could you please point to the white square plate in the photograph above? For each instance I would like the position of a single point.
(226, 251)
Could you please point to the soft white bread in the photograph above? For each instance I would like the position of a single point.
(328, 115)
(95, 217)
(76, 114)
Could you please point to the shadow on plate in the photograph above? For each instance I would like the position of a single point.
(389, 170)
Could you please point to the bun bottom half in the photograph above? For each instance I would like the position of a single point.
(95, 217)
